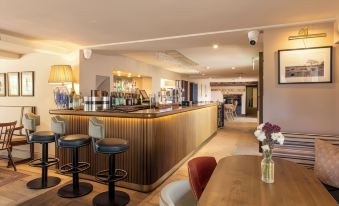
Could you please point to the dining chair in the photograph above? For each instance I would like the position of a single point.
(177, 193)
(200, 170)
(235, 105)
(6, 134)
(228, 108)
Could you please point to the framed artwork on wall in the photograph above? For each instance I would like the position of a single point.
(27, 84)
(302, 66)
(2, 84)
(13, 84)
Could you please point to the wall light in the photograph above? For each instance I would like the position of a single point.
(215, 46)
(304, 34)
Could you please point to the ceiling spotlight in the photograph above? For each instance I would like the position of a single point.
(208, 67)
(87, 53)
(139, 75)
(215, 46)
(233, 68)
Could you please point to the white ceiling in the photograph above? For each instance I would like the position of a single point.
(234, 51)
(110, 27)
(107, 21)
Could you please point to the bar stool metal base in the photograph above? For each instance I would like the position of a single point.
(120, 199)
(38, 183)
(68, 191)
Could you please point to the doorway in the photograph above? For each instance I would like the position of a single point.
(252, 101)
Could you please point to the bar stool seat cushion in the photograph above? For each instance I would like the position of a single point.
(41, 137)
(111, 145)
(74, 140)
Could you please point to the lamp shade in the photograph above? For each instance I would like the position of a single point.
(60, 74)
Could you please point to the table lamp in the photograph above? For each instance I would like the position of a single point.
(61, 74)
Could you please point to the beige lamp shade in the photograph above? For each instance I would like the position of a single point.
(60, 74)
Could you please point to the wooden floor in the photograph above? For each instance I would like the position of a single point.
(236, 138)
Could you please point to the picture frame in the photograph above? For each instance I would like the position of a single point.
(3, 84)
(305, 65)
(27, 83)
(13, 84)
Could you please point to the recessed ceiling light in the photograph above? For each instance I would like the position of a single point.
(139, 75)
(215, 46)
(233, 68)
(208, 67)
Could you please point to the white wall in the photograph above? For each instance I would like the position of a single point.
(100, 64)
(43, 98)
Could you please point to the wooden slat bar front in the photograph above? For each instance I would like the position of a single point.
(158, 145)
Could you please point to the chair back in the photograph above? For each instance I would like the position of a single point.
(200, 170)
(177, 193)
(6, 134)
(96, 128)
(58, 125)
(31, 121)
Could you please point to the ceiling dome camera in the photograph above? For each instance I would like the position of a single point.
(253, 37)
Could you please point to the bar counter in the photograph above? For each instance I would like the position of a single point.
(160, 140)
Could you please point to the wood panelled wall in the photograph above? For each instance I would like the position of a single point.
(157, 146)
(299, 148)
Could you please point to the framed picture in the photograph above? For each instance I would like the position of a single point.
(300, 66)
(2, 84)
(27, 84)
(13, 84)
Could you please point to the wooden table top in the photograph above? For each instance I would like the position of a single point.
(236, 181)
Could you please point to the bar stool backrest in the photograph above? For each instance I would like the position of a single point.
(6, 133)
(58, 125)
(96, 128)
(31, 121)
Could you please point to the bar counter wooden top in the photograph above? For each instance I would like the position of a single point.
(144, 113)
(159, 141)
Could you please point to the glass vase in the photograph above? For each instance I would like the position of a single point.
(267, 169)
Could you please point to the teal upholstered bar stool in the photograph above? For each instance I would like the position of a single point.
(74, 142)
(111, 147)
(31, 121)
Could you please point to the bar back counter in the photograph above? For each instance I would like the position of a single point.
(160, 140)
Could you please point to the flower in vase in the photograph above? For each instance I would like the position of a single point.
(265, 148)
(260, 135)
(259, 127)
(278, 137)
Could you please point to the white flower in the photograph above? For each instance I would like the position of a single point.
(278, 137)
(281, 139)
(260, 135)
(265, 148)
(275, 136)
(259, 127)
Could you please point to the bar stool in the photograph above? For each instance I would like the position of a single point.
(73, 141)
(44, 138)
(111, 147)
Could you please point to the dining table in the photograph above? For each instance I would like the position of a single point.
(236, 181)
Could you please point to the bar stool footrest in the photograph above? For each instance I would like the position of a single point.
(69, 168)
(39, 163)
(104, 177)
